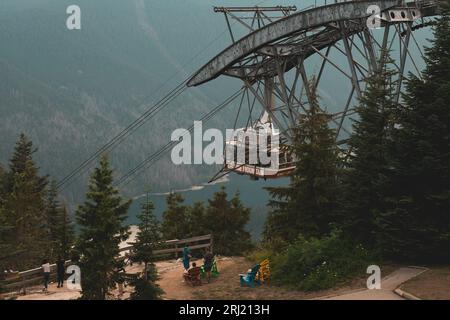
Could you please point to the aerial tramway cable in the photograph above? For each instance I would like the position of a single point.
(158, 154)
(114, 142)
(148, 114)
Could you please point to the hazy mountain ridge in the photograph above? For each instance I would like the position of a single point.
(71, 91)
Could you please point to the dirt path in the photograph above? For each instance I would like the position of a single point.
(53, 293)
(171, 280)
(227, 286)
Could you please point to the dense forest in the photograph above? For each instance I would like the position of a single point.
(387, 200)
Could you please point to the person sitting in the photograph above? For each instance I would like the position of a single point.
(192, 276)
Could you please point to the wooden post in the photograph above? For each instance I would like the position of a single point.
(176, 250)
(211, 244)
(23, 288)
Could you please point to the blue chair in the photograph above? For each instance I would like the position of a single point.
(249, 279)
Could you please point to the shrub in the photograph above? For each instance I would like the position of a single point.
(317, 264)
(259, 254)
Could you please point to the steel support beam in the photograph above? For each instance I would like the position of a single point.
(304, 20)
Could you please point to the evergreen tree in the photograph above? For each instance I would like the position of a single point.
(176, 222)
(147, 289)
(59, 224)
(198, 221)
(101, 219)
(23, 157)
(308, 206)
(365, 180)
(240, 217)
(147, 239)
(416, 226)
(3, 178)
(226, 221)
(24, 207)
(7, 251)
(5, 230)
(65, 233)
(52, 214)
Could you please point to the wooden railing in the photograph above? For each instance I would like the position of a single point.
(194, 243)
(24, 279)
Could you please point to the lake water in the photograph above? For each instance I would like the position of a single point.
(252, 194)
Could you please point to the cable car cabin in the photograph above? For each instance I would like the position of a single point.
(257, 152)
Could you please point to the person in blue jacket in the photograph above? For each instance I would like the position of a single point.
(186, 257)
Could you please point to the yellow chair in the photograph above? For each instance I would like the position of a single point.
(264, 271)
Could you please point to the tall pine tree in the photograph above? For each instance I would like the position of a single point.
(52, 215)
(6, 247)
(101, 219)
(147, 239)
(198, 221)
(226, 220)
(365, 178)
(416, 226)
(7, 250)
(308, 206)
(176, 222)
(64, 233)
(3, 178)
(25, 208)
(59, 224)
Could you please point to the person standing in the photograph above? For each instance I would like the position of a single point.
(46, 273)
(208, 260)
(60, 272)
(186, 257)
(120, 273)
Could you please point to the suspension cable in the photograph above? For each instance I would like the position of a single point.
(158, 154)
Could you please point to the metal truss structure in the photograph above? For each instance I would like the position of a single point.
(272, 58)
